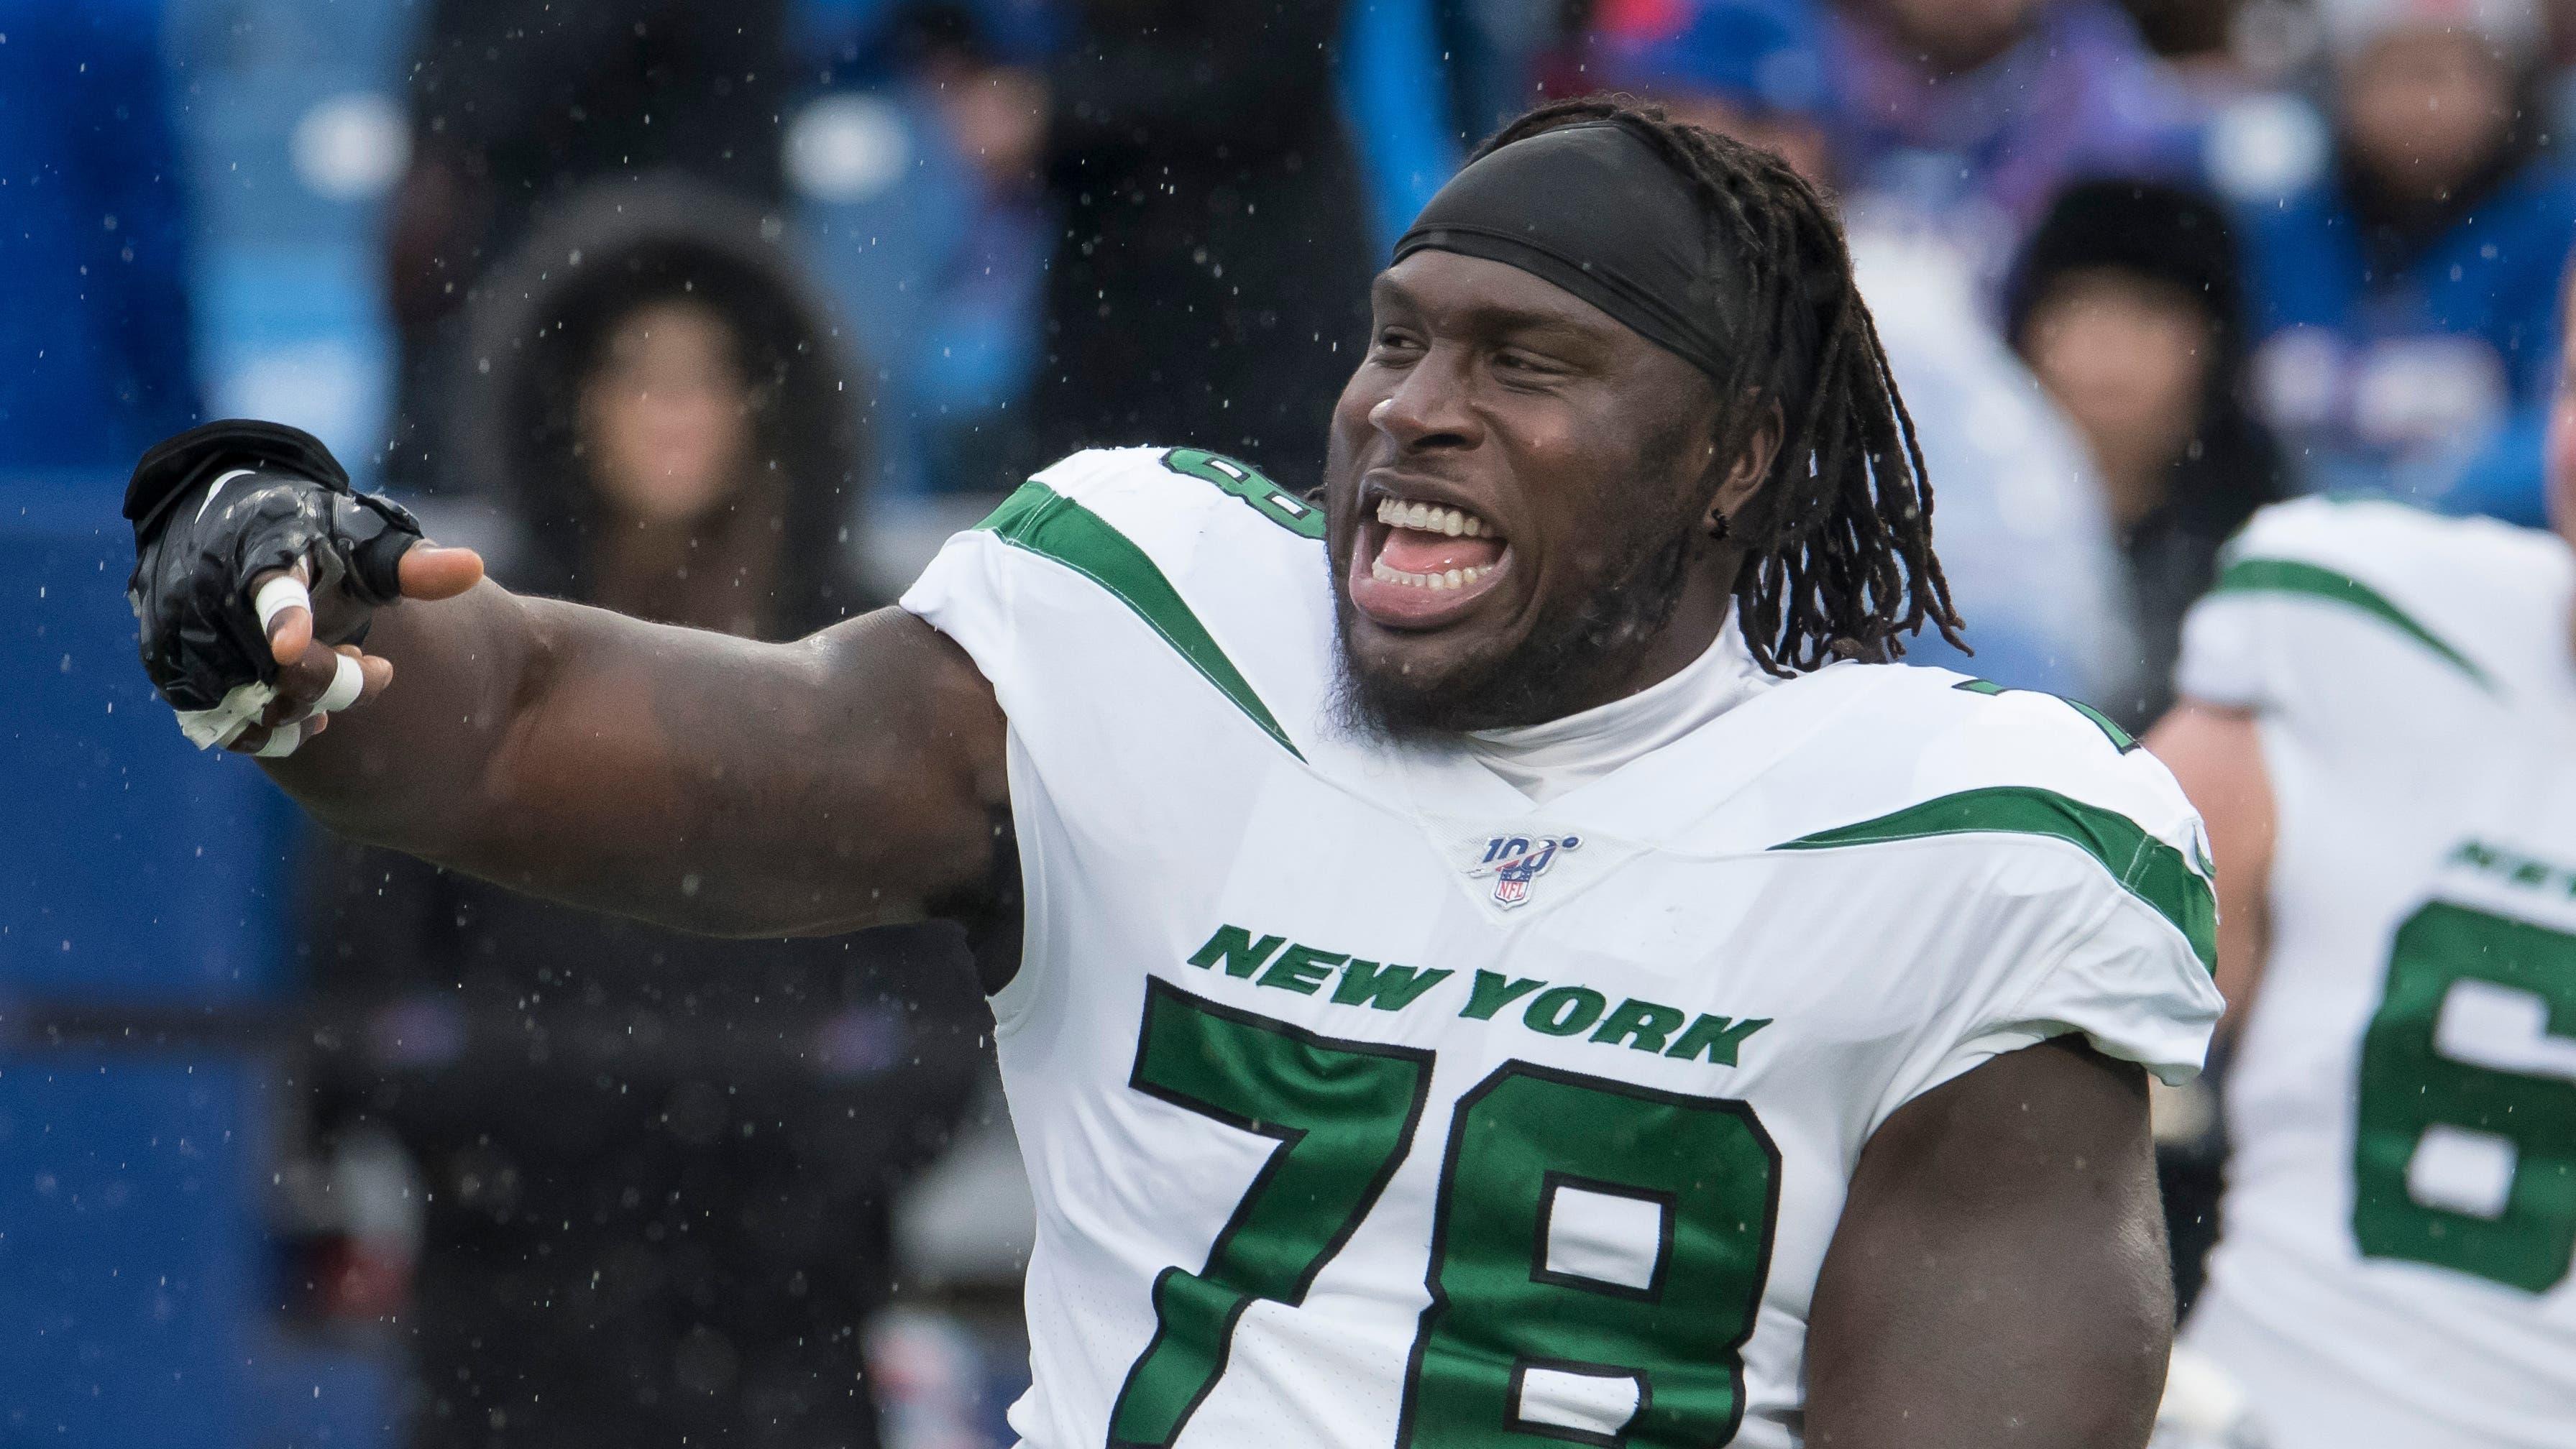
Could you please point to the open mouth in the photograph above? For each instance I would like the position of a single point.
(1417, 564)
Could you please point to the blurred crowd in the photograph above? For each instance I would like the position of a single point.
(723, 314)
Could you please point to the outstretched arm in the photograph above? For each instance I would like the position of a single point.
(689, 778)
(1999, 1274)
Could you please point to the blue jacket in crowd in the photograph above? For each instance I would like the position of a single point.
(95, 357)
(2425, 373)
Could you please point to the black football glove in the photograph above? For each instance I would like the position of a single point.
(218, 506)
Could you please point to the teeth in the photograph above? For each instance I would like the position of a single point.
(1453, 579)
(1426, 518)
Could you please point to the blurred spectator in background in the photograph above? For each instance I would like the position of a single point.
(517, 104)
(982, 75)
(1503, 55)
(1751, 69)
(911, 165)
(2199, 38)
(2126, 304)
(95, 356)
(1968, 115)
(2025, 539)
(662, 403)
(658, 1166)
(2404, 295)
(1210, 279)
(2030, 549)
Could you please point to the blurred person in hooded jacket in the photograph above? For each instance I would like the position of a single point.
(657, 1167)
(2405, 293)
(2024, 537)
(2127, 304)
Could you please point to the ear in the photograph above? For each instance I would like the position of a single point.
(1744, 477)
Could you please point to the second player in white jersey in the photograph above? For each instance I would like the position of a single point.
(2400, 1216)
(1369, 1102)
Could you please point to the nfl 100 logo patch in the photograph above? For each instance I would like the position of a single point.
(1515, 861)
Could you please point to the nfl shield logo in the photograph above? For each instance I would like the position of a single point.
(1516, 860)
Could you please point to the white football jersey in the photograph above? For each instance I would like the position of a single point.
(1367, 1103)
(2401, 1204)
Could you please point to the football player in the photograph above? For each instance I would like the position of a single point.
(1480, 958)
(2379, 722)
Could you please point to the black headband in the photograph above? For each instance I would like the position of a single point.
(1591, 208)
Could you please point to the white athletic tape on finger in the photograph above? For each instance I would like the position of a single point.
(278, 595)
(347, 682)
(241, 707)
(281, 742)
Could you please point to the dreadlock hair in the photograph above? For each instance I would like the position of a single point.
(1838, 539)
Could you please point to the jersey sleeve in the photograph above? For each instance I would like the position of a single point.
(971, 593)
(2068, 885)
(1116, 566)
(996, 598)
(2332, 610)
(2123, 982)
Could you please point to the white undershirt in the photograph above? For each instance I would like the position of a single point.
(1544, 761)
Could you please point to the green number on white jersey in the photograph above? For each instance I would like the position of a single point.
(1596, 1269)
(1343, 1113)
(1244, 481)
(1596, 1265)
(2416, 1099)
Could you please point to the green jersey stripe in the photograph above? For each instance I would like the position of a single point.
(2144, 866)
(1047, 523)
(2290, 576)
(2120, 739)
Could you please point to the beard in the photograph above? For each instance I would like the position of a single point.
(1572, 660)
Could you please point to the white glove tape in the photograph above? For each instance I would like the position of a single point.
(347, 681)
(281, 742)
(240, 709)
(243, 704)
(278, 595)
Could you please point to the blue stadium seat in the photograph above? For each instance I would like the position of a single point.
(140, 881)
(306, 1395)
(128, 1191)
(134, 871)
